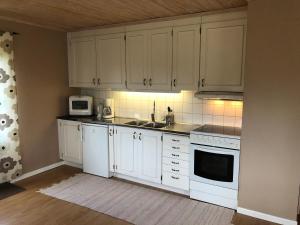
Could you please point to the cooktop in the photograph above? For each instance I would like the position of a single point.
(216, 129)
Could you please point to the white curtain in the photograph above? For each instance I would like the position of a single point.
(10, 164)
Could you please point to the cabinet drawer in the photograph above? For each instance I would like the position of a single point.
(176, 147)
(176, 170)
(175, 180)
(176, 155)
(176, 139)
(176, 162)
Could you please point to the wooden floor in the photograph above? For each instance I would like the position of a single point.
(31, 207)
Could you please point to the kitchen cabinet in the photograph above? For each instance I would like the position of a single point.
(82, 62)
(126, 154)
(70, 141)
(97, 61)
(222, 55)
(111, 149)
(176, 161)
(111, 61)
(149, 59)
(186, 52)
(150, 150)
(138, 153)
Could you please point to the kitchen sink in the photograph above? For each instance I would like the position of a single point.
(136, 122)
(155, 125)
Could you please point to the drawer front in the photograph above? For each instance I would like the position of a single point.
(176, 139)
(176, 162)
(176, 155)
(176, 147)
(176, 170)
(175, 180)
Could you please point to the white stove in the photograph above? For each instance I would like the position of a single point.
(214, 160)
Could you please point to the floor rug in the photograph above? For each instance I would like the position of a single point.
(137, 204)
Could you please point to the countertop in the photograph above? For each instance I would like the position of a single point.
(178, 128)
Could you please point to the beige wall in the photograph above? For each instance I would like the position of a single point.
(270, 156)
(42, 88)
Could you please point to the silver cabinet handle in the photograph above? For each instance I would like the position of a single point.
(94, 81)
(176, 178)
(145, 81)
(203, 82)
(174, 82)
(176, 147)
(175, 140)
(111, 132)
(175, 155)
(78, 127)
(134, 135)
(176, 163)
(140, 136)
(174, 170)
(150, 82)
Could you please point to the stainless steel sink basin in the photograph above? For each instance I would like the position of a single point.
(136, 123)
(155, 125)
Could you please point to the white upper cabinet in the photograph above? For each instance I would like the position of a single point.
(150, 154)
(82, 62)
(136, 60)
(160, 59)
(149, 59)
(111, 61)
(186, 51)
(70, 141)
(223, 55)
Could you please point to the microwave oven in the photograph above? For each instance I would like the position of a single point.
(80, 105)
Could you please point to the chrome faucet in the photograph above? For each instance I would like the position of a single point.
(153, 113)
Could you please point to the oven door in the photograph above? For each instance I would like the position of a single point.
(216, 166)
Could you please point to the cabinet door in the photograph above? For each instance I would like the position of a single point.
(111, 61)
(150, 154)
(111, 149)
(136, 60)
(126, 151)
(82, 62)
(71, 141)
(222, 56)
(186, 51)
(160, 59)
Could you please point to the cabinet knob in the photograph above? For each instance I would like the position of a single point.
(134, 135)
(203, 82)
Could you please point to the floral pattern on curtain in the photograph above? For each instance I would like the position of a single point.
(10, 164)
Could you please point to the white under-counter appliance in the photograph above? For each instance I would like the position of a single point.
(214, 164)
(95, 154)
(80, 105)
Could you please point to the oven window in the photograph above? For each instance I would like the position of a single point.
(214, 166)
(80, 104)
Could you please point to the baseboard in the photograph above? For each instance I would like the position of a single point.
(266, 217)
(73, 164)
(41, 170)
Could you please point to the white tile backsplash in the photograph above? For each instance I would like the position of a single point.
(187, 108)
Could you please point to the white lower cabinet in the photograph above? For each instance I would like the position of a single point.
(70, 141)
(176, 161)
(138, 153)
